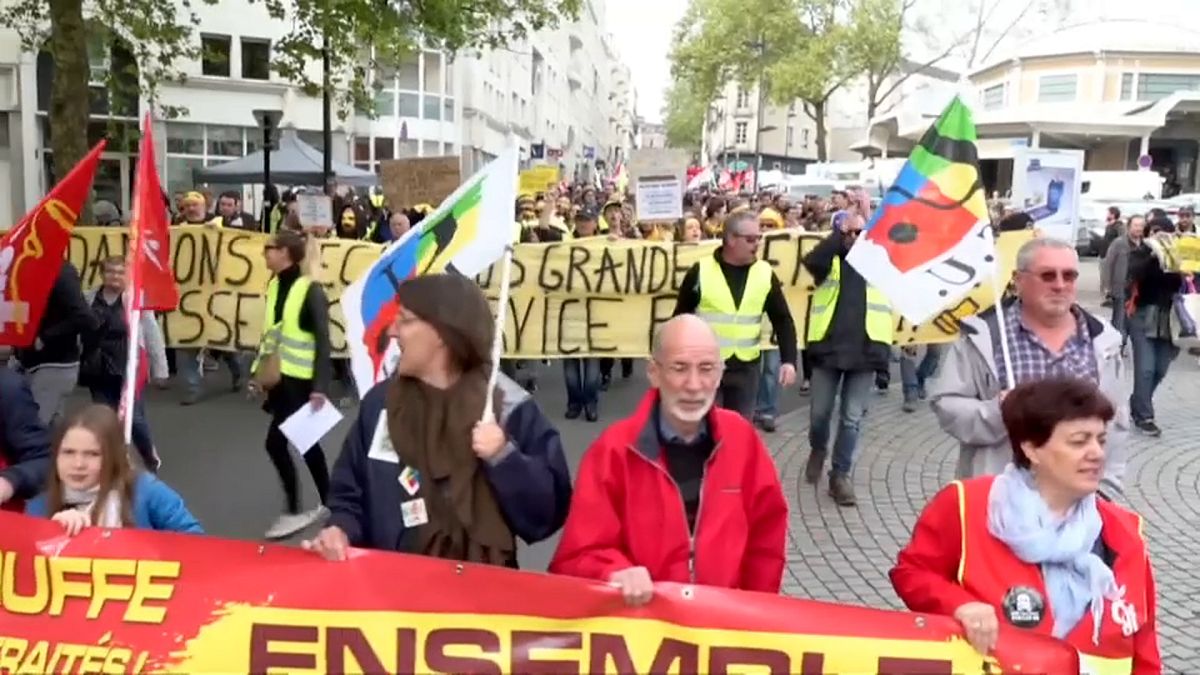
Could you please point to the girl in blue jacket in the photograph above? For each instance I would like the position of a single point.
(92, 482)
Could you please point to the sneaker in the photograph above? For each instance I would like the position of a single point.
(1148, 427)
(921, 393)
(767, 424)
(190, 399)
(605, 382)
(812, 470)
(910, 405)
(805, 387)
(573, 412)
(841, 489)
(591, 413)
(290, 523)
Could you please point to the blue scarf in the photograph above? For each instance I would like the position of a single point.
(1075, 576)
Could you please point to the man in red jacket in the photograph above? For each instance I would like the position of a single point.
(637, 517)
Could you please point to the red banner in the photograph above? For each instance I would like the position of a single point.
(137, 601)
(31, 253)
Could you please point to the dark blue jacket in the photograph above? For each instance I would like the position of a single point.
(24, 441)
(530, 478)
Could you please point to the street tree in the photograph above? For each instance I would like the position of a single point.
(684, 116)
(360, 36)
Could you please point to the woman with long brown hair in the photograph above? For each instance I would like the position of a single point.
(93, 483)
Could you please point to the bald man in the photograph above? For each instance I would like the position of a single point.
(636, 515)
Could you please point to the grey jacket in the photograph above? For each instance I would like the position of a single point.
(150, 337)
(965, 395)
(1115, 266)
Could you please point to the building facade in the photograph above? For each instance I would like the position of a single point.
(1119, 90)
(562, 96)
(785, 139)
(564, 90)
(651, 135)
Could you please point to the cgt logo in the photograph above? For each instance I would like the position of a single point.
(10, 311)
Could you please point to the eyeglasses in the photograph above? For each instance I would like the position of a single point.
(1049, 276)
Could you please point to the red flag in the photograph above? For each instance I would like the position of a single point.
(32, 252)
(151, 277)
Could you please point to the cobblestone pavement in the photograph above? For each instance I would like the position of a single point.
(843, 554)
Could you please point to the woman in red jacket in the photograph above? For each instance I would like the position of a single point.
(1034, 547)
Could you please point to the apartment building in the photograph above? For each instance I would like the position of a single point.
(563, 95)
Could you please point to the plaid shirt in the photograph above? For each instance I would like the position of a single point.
(1032, 360)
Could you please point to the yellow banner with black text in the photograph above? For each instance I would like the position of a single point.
(591, 297)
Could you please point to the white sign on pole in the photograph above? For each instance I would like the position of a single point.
(1047, 185)
(315, 210)
(659, 199)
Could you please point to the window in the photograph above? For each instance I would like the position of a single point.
(739, 132)
(179, 173)
(791, 133)
(993, 97)
(256, 59)
(804, 138)
(384, 148)
(225, 141)
(408, 148)
(1057, 88)
(99, 61)
(409, 73)
(362, 151)
(1126, 86)
(432, 103)
(743, 97)
(214, 56)
(185, 139)
(385, 103)
(433, 72)
(431, 148)
(1154, 86)
(410, 105)
(314, 138)
(448, 109)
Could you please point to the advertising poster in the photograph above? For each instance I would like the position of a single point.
(1047, 184)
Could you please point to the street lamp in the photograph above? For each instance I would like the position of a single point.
(761, 47)
(269, 121)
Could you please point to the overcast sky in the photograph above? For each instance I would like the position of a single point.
(642, 30)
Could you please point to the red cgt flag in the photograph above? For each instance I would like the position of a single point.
(32, 252)
(151, 278)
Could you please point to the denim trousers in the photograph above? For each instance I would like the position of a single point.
(193, 369)
(767, 404)
(914, 373)
(1152, 356)
(582, 377)
(854, 388)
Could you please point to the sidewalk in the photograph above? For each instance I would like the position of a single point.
(844, 554)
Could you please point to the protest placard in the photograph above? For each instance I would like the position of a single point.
(419, 180)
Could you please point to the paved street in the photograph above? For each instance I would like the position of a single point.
(213, 455)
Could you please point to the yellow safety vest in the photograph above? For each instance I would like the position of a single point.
(297, 348)
(738, 327)
(824, 303)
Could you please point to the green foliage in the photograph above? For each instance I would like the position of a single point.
(683, 116)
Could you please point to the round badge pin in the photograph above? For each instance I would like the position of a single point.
(1024, 607)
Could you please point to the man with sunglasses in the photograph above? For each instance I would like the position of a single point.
(730, 291)
(1048, 335)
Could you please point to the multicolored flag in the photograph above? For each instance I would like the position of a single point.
(930, 242)
(32, 252)
(465, 235)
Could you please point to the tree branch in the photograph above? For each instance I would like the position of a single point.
(1012, 24)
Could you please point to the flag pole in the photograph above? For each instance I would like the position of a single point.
(129, 389)
(489, 413)
(998, 286)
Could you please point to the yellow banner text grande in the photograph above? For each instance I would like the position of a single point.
(597, 297)
(590, 297)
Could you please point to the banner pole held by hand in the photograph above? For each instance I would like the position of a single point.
(489, 413)
(998, 285)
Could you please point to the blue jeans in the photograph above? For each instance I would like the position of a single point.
(767, 404)
(1152, 356)
(193, 371)
(855, 390)
(914, 374)
(111, 397)
(582, 377)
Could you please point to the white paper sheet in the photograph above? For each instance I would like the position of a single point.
(306, 427)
